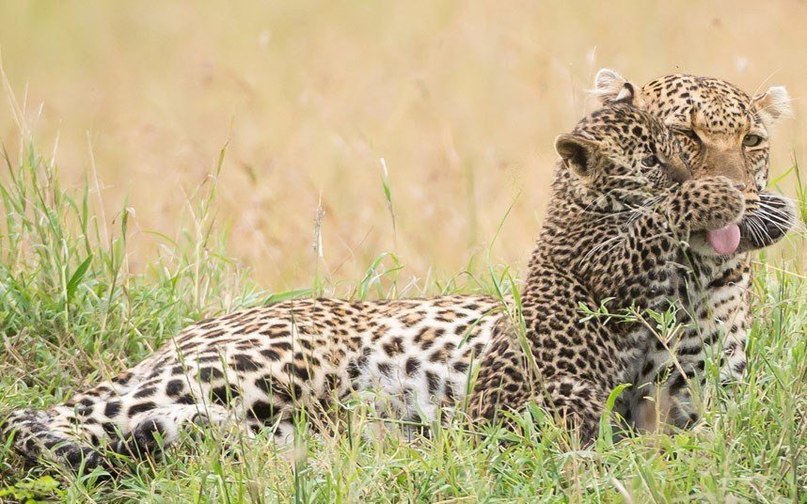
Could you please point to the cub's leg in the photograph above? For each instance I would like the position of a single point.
(662, 393)
(701, 204)
(578, 405)
(575, 403)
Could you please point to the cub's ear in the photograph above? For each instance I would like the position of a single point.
(610, 87)
(579, 154)
(772, 104)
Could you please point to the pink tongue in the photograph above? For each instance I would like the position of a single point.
(724, 240)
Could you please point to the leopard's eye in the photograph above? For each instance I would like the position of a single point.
(650, 161)
(751, 140)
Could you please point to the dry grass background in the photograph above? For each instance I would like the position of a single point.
(461, 99)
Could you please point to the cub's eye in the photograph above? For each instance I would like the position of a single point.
(689, 133)
(752, 140)
(650, 161)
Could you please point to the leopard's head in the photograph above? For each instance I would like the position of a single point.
(621, 157)
(722, 131)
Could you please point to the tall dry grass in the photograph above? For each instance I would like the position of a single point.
(462, 101)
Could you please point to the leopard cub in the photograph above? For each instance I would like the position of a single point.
(622, 209)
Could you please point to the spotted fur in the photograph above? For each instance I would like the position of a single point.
(722, 131)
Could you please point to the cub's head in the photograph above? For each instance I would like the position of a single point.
(621, 156)
(722, 131)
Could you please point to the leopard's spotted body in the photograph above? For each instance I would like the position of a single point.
(255, 368)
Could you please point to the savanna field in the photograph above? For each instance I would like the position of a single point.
(164, 163)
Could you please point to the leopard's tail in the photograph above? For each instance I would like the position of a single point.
(66, 433)
(83, 436)
(37, 433)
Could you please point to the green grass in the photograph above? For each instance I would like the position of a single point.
(72, 312)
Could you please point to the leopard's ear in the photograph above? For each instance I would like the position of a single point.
(610, 87)
(772, 104)
(578, 154)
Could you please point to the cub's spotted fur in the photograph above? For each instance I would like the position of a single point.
(621, 208)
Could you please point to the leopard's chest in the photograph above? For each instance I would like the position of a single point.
(716, 309)
(713, 288)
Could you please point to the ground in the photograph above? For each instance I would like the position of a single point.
(71, 312)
